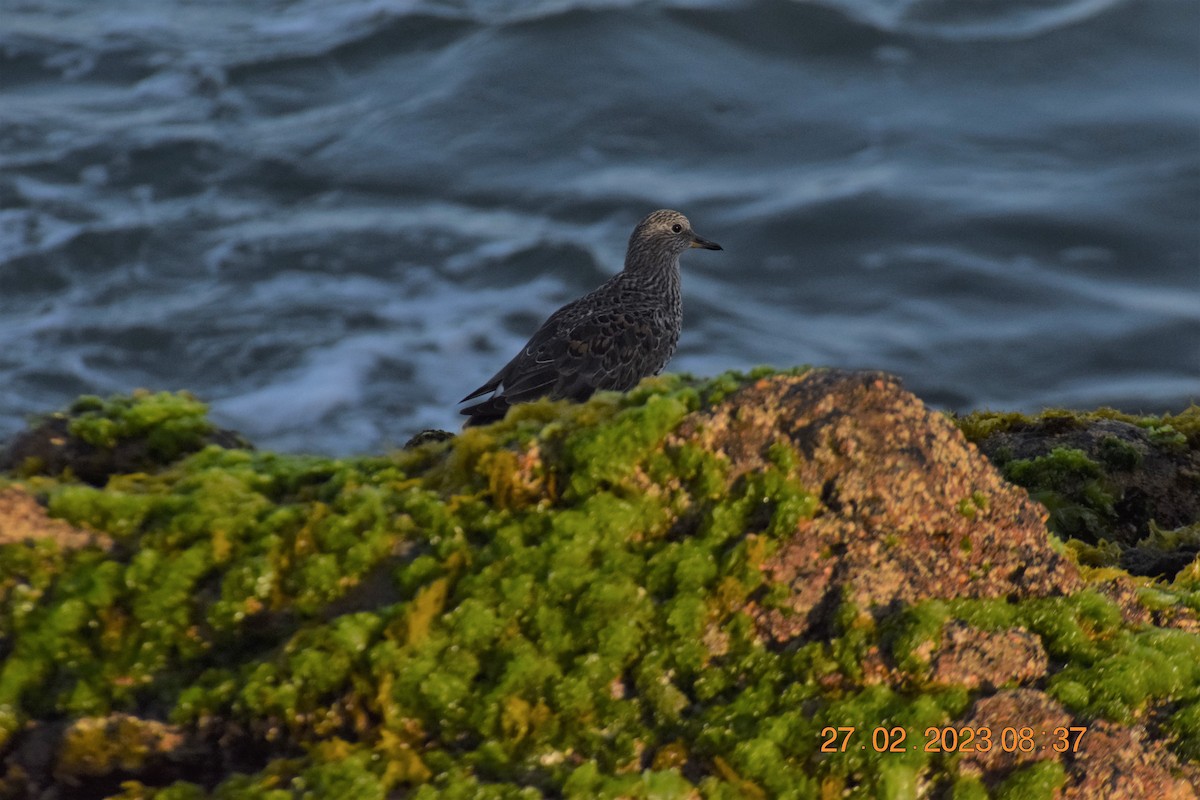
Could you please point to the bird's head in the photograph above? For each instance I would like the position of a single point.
(661, 237)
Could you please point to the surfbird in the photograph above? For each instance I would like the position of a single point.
(611, 337)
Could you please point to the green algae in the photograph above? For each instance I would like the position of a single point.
(913, 634)
(1109, 554)
(1119, 496)
(1110, 670)
(95, 438)
(553, 604)
(968, 787)
(1071, 486)
(1182, 429)
(171, 424)
(1041, 780)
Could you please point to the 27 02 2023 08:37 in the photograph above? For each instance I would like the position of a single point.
(952, 739)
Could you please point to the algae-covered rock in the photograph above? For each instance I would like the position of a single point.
(96, 438)
(1125, 488)
(775, 585)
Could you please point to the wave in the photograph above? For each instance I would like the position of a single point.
(976, 20)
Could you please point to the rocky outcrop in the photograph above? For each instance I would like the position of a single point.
(97, 438)
(800, 583)
(1125, 488)
(909, 510)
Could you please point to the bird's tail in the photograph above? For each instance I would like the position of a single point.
(491, 410)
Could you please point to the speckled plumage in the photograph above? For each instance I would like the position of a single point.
(611, 337)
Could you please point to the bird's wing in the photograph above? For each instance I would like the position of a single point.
(544, 361)
(535, 359)
(584, 346)
(583, 353)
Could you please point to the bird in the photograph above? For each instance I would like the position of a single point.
(609, 339)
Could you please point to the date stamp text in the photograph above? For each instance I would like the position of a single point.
(952, 739)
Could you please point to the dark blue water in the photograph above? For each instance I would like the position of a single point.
(333, 219)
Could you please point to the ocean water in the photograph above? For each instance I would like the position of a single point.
(333, 219)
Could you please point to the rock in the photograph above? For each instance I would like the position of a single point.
(976, 658)
(751, 585)
(1003, 715)
(1119, 762)
(1102, 759)
(97, 438)
(22, 519)
(427, 436)
(908, 508)
(1126, 487)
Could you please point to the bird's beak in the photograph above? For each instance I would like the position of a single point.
(700, 241)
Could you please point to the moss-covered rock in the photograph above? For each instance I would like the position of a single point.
(1124, 489)
(97, 437)
(772, 585)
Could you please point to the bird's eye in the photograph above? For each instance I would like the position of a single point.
(676, 228)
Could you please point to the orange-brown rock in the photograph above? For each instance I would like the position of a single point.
(1103, 760)
(909, 509)
(987, 659)
(23, 519)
